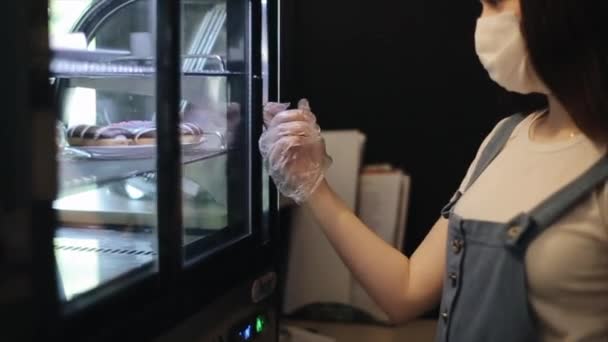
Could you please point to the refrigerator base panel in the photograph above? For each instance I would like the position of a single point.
(232, 317)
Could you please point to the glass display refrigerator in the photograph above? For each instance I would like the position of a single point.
(135, 192)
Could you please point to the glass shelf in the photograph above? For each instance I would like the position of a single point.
(193, 85)
(78, 63)
(79, 172)
(141, 75)
(88, 55)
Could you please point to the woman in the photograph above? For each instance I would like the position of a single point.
(521, 251)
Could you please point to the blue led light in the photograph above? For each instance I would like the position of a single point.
(246, 334)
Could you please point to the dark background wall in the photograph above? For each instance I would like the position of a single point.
(406, 74)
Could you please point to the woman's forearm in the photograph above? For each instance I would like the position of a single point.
(380, 268)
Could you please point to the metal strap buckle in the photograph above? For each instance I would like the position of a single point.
(517, 228)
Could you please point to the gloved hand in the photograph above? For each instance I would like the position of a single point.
(294, 150)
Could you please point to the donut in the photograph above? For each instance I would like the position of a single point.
(144, 132)
(91, 135)
(190, 133)
(144, 136)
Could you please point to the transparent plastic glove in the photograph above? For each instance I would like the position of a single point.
(294, 151)
(271, 109)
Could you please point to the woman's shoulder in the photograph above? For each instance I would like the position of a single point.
(488, 138)
(521, 120)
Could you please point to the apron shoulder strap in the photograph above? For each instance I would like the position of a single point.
(559, 203)
(492, 149)
(525, 227)
(495, 145)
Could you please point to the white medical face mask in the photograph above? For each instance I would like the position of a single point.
(502, 50)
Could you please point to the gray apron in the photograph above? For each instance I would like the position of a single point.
(485, 292)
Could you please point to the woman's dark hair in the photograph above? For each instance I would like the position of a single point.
(568, 45)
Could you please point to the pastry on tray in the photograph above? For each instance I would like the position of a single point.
(128, 133)
(90, 135)
(144, 132)
(190, 133)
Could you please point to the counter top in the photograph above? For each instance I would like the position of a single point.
(415, 331)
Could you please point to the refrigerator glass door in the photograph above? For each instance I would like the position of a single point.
(104, 72)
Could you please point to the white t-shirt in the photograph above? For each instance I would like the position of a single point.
(567, 265)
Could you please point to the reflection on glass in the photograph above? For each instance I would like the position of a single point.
(214, 87)
(265, 99)
(63, 14)
(105, 81)
(85, 274)
(104, 73)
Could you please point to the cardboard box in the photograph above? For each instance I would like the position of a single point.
(315, 273)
